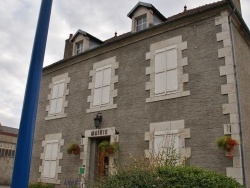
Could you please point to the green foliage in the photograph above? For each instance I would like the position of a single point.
(41, 185)
(167, 177)
(105, 146)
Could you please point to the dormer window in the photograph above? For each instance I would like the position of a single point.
(79, 47)
(141, 23)
(144, 15)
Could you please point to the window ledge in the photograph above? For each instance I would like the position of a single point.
(56, 116)
(168, 96)
(97, 109)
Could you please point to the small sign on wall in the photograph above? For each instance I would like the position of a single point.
(81, 170)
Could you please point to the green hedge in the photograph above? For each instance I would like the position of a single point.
(167, 177)
(41, 185)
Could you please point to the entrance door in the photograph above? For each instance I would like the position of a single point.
(103, 163)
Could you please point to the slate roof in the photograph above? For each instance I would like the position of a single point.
(8, 130)
(86, 34)
(174, 17)
(130, 14)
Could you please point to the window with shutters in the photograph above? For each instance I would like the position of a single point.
(50, 159)
(166, 78)
(102, 87)
(166, 145)
(57, 97)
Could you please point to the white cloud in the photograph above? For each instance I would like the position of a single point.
(101, 18)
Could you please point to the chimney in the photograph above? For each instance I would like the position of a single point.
(237, 5)
(68, 47)
(185, 8)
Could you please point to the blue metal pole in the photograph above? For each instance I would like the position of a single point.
(21, 171)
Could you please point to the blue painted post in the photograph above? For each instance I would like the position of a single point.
(21, 171)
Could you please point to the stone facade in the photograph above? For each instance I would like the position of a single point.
(8, 140)
(203, 111)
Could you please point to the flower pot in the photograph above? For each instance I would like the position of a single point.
(76, 152)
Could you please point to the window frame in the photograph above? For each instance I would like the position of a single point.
(102, 86)
(79, 47)
(166, 71)
(105, 63)
(143, 25)
(51, 159)
(60, 80)
(165, 154)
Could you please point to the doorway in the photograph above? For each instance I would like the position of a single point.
(99, 161)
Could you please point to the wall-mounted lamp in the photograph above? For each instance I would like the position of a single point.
(82, 136)
(98, 120)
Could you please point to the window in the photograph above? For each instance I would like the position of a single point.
(79, 47)
(102, 86)
(166, 78)
(141, 23)
(50, 159)
(57, 97)
(166, 145)
(7, 149)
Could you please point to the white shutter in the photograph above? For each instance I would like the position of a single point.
(97, 97)
(160, 83)
(60, 89)
(106, 76)
(160, 61)
(52, 169)
(48, 150)
(158, 145)
(106, 86)
(59, 105)
(171, 59)
(55, 90)
(98, 79)
(160, 75)
(46, 169)
(54, 98)
(105, 94)
(172, 80)
(49, 165)
(54, 150)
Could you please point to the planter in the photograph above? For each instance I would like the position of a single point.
(73, 148)
(227, 144)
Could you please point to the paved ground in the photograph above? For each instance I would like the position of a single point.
(4, 186)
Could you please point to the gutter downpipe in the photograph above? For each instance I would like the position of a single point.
(238, 98)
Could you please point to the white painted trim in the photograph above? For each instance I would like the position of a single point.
(172, 43)
(106, 63)
(58, 79)
(52, 138)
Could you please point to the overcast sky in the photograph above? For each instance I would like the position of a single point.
(101, 18)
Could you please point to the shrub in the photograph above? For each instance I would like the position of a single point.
(41, 185)
(165, 176)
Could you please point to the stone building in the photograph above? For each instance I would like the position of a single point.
(184, 77)
(8, 140)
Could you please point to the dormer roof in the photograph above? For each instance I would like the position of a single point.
(147, 5)
(85, 34)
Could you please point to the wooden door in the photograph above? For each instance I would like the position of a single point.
(103, 163)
